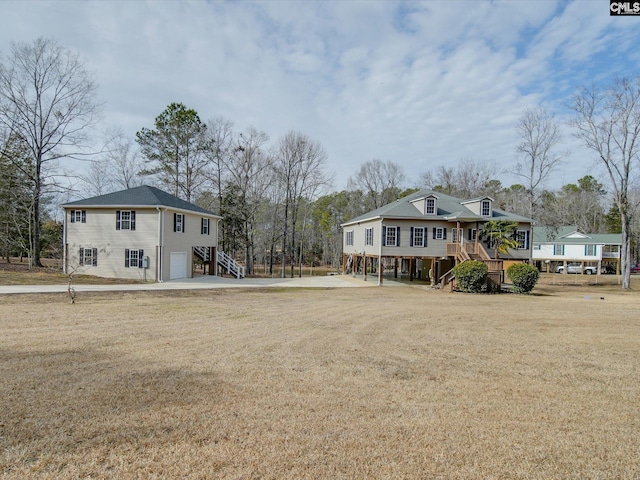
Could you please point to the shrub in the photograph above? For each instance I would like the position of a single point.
(471, 275)
(523, 276)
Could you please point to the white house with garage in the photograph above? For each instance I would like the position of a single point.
(142, 233)
(555, 248)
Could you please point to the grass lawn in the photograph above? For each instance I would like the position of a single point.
(361, 383)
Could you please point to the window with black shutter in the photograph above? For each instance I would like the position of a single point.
(125, 220)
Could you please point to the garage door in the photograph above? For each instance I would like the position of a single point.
(178, 265)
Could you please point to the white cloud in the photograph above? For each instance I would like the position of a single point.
(419, 83)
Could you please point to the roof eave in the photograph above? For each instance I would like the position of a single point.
(136, 207)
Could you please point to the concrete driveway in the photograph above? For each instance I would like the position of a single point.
(207, 282)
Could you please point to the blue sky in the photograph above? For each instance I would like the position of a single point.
(422, 84)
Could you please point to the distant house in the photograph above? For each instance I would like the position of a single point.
(425, 234)
(553, 247)
(141, 233)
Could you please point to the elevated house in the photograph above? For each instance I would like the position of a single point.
(142, 233)
(425, 234)
(553, 247)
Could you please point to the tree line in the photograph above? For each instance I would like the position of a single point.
(276, 198)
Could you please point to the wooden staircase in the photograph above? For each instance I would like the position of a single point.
(225, 261)
(230, 265)
(464, 252)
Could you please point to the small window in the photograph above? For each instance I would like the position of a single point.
(368, 236)
(558, 249)
(430, 206)
(133, 258)
(178, 222)
(125, 220)
(204, 229)
(418, 237)
(392, 236)
(486, 208)
(473, 234)
(88, 257)
(537, 247)
(590, 250)
(78, 216)
(522, 237)
(439, 233)
(348, 238)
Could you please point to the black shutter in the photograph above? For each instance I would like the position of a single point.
(469, 234)
(126, 258)
(140, 255)
(411, 238)
(84, 216)
(202, 226)
(384, 236)
(175, 221)
(133, 219)
(526, 241)
(397, 236)
(95, 257)
(209, 226)
(73, 216)
(184, 220)
(81, 256)
(434, 232)
(444, 233)
(117, 219)
(424, 236)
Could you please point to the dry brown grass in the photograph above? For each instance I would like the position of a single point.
(351, 383)
(18, 272)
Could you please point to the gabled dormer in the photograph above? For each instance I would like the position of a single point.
(427, 205)
(482, 206)
(576, 234)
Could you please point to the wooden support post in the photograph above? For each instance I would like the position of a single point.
(411, 267)
(364, 269)
(395, 267)
(380, 271)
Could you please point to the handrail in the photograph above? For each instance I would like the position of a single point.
(232, 267)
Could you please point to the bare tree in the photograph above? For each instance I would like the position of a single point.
(47, 100)
(540, 134)
(468, 179)
(124, 161)
(608, 122)
(299, 166)
(379, 181)
(118, 168)
(249, 169)
(220, 144)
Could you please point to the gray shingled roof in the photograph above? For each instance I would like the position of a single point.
(143, 196)
(449, 209)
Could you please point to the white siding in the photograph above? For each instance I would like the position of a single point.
(571, 252)
(185, 241)
(100, 232)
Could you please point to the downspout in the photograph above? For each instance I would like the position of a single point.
(215, 260)
(64, 243)
(380, 267)
(160, 243)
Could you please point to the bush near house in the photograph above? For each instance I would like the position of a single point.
(523, 276)
(471, 276)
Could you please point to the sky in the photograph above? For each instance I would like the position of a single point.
(420, 83)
